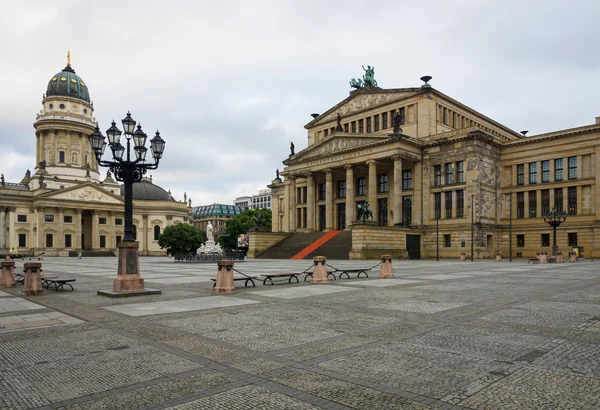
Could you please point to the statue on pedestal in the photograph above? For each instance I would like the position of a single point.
(397, 129)
(2, 181)
(292, 147)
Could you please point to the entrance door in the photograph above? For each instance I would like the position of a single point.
(341, 213)
(413, 246)
(321, 217)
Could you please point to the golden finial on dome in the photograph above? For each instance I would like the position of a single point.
(68, 57)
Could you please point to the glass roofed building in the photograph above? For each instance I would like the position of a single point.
(216, 214)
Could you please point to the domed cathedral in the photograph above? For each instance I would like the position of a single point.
(64, 207)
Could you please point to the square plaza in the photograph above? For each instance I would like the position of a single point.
(444, 335)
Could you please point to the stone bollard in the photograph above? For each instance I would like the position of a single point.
(463, 256)
(543, 257)
(33, 283)
(572, 257)
(386, 267)
(320, 270)
(559, 257)
(498, 256)
(7, 258)
(7, 280)
(224, 277)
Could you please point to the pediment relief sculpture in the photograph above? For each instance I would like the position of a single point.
(336, 145)
(88, 194)
(363, 101)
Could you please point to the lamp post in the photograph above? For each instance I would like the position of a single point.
(438, 209)
(510, 229)
(128, 170)
(554, 218)
(472, 225)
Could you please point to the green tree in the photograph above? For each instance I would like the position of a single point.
(181, 238)
(247, 221)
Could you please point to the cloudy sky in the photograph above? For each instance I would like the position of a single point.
(231, 83)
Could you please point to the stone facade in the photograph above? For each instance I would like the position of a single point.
(446, 157)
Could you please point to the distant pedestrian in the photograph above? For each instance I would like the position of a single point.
(79, 255)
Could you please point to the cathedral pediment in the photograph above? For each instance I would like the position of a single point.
(333, 145)
(84, 193)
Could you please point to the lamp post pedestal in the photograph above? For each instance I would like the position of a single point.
(128, 273)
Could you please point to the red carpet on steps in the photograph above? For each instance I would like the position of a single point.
(315, 245)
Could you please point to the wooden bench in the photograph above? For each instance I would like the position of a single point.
(246, 278)
(270, 276)
(59, 283)
(309, 275)
(358, 271)
(533, 260)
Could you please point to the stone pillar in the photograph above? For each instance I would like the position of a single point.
(310, 202)
(328, 199)
(128, 274)
(111, 243)
(224, 282)
(373, 189)
(350, 205)
(145, 234)
(319, 275)
(40, 227)
(498, 256)
(7, 280)
(12, 233)
(2, 228)
(32, 285)
(386, 267)
(78, 228)
(397, 190)
(95, 236)
(292, 204)
(60, 240)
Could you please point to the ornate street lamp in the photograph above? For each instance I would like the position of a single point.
(128, 169)
(554, 218)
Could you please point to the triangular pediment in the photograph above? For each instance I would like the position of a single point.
(362, 100)
(84, 193)
(335, 144)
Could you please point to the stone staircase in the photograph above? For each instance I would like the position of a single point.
(338, 247)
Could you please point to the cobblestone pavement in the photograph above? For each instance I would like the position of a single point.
(442, 335)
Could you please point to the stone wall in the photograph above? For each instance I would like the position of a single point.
(259, 242)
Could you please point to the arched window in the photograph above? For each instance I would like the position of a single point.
(135, 232)
(156, 232)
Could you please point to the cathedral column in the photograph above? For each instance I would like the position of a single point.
(349, 195)
(60, 240)
(78, 228)
(373, 189)
(40, 227)
(145, 234)
(95, 235)
(328, 199)
(111, 242)
(12, 235)
(292, 204)
(2, 228)
(397, 190)
(310, 202)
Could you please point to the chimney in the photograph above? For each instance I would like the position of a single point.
(597, 120)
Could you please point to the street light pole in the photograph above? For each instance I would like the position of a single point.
(554, 219)
(510, 229)
(437, 229)
(472, 224)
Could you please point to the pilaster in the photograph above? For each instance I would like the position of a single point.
(373, 189)
(310, 202)
(350, 205)
(328, 199)
(397, 190)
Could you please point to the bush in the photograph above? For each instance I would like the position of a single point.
(181, 238)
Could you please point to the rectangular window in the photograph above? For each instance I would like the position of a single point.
(545, 239)
(68, 219)
(322, 188)
(572, 200)
(402, 114)
(520, 204)
(545, 202)
(49, 240)
(304, 194)
(449, 176)
(449, 204)
(384, 121)
(545, 171)
(353, 124)
(118, 240)
(447, 241)
(558, 199)
(346, 128)
(521, 174)
(533, 173)
(361, 126)
(382, 206)
(460, 172)
(299, 195)
(572, 167)
(22, 240)
(61, 157)
(21, 218)
(437, 201)
(376, 119)
(102, 241)
(532, 204)
(49, 218)
(460, 203)
(341, 189)
(520, 241)
(445, 116)
(102, 221)
(572, 238)
(361, 186)
(326, 132)
(68, 243)
(407, 179)
(437, 175)
(558, 169)
(382, 183)
(368, 124)
(118, 221)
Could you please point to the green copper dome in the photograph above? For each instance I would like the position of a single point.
(68, 84)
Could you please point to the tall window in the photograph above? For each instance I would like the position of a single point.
(68, 219)
(103, 241)
(546, 171)
(101, 221)
(572, 167)
(382, 206)
(521, 174)
(68, 243)
(49, 240)
(532, 204)
(384, 120)
(341, 189)
(545, 239)
(449, 204)
(520, 241)
(460, 172)
(558, 199)
(361, 126)
(437, 172)
(61, 157)
(353, 124)
(346, 128)
(449, 179)
(545, 202)
(322, 188)
(407, 179)
(520, 204)
(447, 241)
(368, 124)
(572, 200)
(572, 238)
(460, 203)
(558, 169)
(326, 132)
(156, 232)
(376, 120)
(438, 204)
(361, 186)
(402, 114)
(118, 221)
(21, 218)
(382, 183)
(533, 173)
(22, 240)
(49, 218)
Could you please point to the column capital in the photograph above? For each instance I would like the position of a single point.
(348, 166)
(396, 158)
(371, 162)
(95, 212)
(112, 213)
(61, 209)
(169, 217)
(12, 208)
(79, 211)
(145, 217)
(3, 208)
(309, 174)
(328, 170)
(40, 208)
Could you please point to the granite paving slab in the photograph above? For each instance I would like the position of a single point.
(181, 305)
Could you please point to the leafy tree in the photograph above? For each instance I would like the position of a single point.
(181, 238)
(247, 221)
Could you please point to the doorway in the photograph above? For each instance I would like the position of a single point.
(413, 246)
(341, 216)
(86, 230)
(321, 217)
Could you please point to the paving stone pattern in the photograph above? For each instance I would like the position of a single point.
(444, 335)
